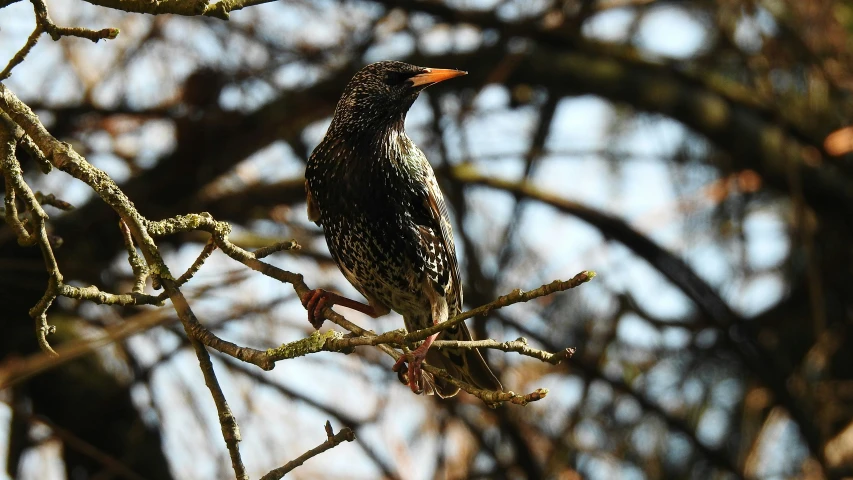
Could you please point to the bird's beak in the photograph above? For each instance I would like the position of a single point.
(432, 76)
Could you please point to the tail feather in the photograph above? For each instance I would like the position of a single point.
(467, 365)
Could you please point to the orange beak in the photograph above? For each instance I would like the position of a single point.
(435, 75)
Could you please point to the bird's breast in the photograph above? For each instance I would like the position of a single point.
(366, 206)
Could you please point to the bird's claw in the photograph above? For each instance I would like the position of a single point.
(315, 301)
(413, 374)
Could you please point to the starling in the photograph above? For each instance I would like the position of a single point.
(386, 223)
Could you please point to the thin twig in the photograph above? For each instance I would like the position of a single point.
(333, 440)
(332, 341)
(516, 296)
(10, 212)
(23, 52)
(277, 247)
(492, 398)
(55, 32)
(137, 264)
(14, 179)
(220, 9)
(94, 295)
(39, 314)
(50, 199)
(518, 346)
(63, 156)
(25, 141)
(208, 249)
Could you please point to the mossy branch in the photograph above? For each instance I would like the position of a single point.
(62, 156)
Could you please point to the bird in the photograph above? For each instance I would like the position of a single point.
(386, 222)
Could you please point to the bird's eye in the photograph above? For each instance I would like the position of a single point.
(396, 78)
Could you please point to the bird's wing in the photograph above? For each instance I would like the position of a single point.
(467, 365)
(443, 231)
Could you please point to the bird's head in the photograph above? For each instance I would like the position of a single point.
(380, 94)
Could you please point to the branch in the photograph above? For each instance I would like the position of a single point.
(55, 32)
(333, 341)
(277, 247)
(332, 441)
(45, 24)
(342, 416)
(63, 156)
(137, 264)
(518, 346)
(23, 52)
(190, 8)
(737, 332)
(15, 183)
(208, 249)
(516, 296)
(143, 230)
(94, 295)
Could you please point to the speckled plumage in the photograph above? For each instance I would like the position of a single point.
(384, 217)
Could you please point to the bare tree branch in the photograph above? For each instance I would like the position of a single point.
(219, 9)
(65, 158)
(333, 440)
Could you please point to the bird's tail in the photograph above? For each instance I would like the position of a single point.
(467, 365)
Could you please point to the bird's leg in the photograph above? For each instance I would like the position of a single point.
(318, 299)
(418, 356)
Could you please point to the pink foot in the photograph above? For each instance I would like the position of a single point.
(318, 299)
(415, 375)
(315, 301)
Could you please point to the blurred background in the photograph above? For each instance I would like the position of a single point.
(695, 154)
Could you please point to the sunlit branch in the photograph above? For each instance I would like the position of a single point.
(144, 230)
(330, 341)
(66, 159)
(516, 296)
(206, 251)
(23, 52)
(220, 9)
(755, 357)
(56, 32)
(45, 25)
(137, 264)
(519, 346)
(333, 440)
(277, 247)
